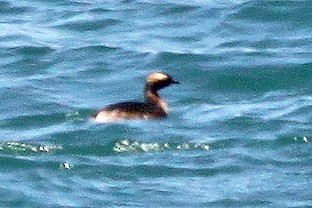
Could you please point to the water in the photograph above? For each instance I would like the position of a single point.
(239, 131)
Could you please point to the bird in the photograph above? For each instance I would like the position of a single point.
(154, 106)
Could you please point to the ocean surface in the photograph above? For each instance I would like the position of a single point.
(239, 133)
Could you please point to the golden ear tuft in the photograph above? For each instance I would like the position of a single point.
(157, 76)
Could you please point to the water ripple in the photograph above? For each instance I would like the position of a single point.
(239, 129)
(91, 25)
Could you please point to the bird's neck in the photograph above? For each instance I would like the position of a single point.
(152, 97)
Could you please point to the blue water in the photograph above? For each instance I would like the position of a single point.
(239, 130)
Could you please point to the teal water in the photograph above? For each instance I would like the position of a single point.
(239, 131)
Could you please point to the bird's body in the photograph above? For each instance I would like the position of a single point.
(154, 106)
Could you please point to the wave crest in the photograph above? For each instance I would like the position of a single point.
(23, 147)
(136, 146)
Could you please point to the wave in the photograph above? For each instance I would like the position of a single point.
(88, 25)
(270, 107)
(32, 51)
(97, 48)
(293, 12)
(9, 8)
(136, 146)
(122, 146)
(22, 147)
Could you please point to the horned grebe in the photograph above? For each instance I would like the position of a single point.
(154, 106)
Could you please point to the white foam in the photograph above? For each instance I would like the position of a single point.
(136, 146)
(22, 147)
